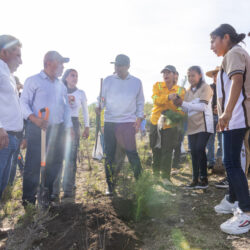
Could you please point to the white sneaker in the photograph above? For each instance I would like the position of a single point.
(238, 224)
(225, 207)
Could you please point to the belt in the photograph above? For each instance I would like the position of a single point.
(16, 134)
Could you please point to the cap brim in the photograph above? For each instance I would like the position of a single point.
(118, 64)
(65, 59)
(168, 70)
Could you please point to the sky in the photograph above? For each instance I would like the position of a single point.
(153, 33)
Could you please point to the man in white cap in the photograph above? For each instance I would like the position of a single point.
(11, 120)
(45, 90)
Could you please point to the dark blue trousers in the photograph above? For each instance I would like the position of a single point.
(232, 141)
(55, 139)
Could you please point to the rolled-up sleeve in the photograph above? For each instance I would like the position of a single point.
(140, 102)
(26, 98)
(189, 106)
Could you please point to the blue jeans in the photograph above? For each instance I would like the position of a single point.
(14, 163)
(5, 162)
(238, 186)
(210, 144)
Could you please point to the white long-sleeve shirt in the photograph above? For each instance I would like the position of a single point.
(80, 102)
(11, 118)
(197, 104)
(123, 99)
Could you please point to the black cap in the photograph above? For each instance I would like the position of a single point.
(170, 68)
(122, 60)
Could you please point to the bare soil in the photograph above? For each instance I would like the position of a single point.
(176, 219)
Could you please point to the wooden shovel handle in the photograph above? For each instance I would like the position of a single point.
(43, 135)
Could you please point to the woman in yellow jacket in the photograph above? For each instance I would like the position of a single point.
(163, 136)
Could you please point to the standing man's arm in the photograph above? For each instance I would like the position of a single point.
(139, 108)
(4, 138)
(101, 98)
(26, 99)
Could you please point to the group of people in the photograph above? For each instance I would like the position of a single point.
(176, 110)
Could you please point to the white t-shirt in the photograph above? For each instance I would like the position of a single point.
(236, 61)
(224, 85)
(79, 102)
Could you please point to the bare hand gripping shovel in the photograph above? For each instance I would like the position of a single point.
(43, 193)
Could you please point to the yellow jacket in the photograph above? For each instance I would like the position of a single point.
(161, 102)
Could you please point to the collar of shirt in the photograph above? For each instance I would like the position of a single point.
(4, 68)
(127, 78)
(164, 85)
(45, 76)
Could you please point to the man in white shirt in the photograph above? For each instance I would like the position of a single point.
(123, 99)
(11, 119)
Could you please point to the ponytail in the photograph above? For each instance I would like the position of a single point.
(240, 37)
(224, 29)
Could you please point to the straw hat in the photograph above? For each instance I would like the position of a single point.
(212, 72)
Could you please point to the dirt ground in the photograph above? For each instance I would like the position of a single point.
(169, 217)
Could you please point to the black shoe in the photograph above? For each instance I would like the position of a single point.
(210, 166)
(203, 184)
(192, 185)
(54, 198)
(222, 184)
(67, 195)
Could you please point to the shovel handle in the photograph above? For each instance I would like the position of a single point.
(46, 111)
(43, 135)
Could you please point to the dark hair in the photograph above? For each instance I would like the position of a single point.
(197, 69)
(65, 75)
(8, 41)
(224, 29)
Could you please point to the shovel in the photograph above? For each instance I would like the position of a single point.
(43, 194)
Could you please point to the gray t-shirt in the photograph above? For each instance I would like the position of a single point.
(123, 99)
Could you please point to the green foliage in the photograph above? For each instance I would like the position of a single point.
(179, 240)
(173, 117)
(28, 217)
(148, 196)
(148, 108)
(7, 194)
(92, 114)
